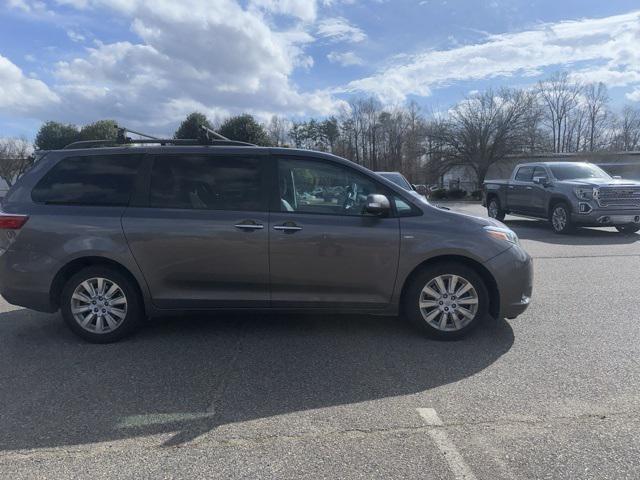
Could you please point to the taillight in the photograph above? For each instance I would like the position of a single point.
(9, 221)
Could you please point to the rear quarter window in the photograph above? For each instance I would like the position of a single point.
(100, 180)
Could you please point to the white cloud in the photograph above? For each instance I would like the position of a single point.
(210, 55)
(75, 36)
(610, 43)
(634, 96)
(21, 94)
(339, 29)
(345, 59)
(24, 5)
(305, 10)
(331, 3)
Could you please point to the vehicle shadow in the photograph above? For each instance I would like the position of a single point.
(540, 231)
(186, 376)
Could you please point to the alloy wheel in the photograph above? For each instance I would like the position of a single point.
(559, 218)
(493, 209)
(448, 302)
(99, 305)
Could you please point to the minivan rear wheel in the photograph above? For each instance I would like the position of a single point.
(446, 300)
(101, 305)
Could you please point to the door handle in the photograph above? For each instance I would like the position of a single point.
(249, 226)
(287, 228)
(511, 187)
(529, 188)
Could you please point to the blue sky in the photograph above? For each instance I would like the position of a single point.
(147, 64)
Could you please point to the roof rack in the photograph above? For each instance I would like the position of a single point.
(206, 136)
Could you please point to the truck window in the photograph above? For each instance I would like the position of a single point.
(524, 174)
(540, 172)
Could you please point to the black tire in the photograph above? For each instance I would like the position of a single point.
(628, 229)
(132, 308)
(494, 209)
(414, 295)
(563, 211)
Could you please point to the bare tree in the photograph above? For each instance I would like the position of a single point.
(414, 141)
(484, 129)
(596, 100)
(560, 96)
(537, 138)
(627, 130)
(576, 130)
(15, 158)
(278, 130)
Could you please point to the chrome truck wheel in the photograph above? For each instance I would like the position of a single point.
(561, 218)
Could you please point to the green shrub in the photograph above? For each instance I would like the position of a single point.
(476, 194)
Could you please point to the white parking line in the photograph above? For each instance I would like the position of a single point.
(438, 434)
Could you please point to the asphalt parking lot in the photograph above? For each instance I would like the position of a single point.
(554, 393)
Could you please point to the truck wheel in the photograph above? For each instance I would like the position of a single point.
(101, 305)
(446, 300)
(560, 218)
(629, 228)
(494, 210)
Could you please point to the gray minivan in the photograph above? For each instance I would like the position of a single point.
(113, 235)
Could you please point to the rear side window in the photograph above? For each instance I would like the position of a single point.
(200, 182)
(525, 174)
(98, 180)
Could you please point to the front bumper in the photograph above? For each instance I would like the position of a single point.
(602, 217)
(513, 273)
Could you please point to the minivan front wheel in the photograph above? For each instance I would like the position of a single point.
(447, 300)
(100, 305)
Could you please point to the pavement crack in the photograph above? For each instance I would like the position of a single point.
(203, 441)
(214, 405)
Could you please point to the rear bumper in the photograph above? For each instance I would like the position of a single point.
(25, 279)
(513, 273)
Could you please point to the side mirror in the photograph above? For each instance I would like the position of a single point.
(377, 205)
(544, 181)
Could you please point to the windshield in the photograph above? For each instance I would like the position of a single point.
(578, 170)
(397, 178)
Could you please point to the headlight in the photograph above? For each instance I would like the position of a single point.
(502, 234)
(584, 193)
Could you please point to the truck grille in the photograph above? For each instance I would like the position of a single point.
(619, 196)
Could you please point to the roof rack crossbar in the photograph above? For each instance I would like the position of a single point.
(207, 132)
(206, 136)
(124, 130)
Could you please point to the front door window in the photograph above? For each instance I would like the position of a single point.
(308, 186)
